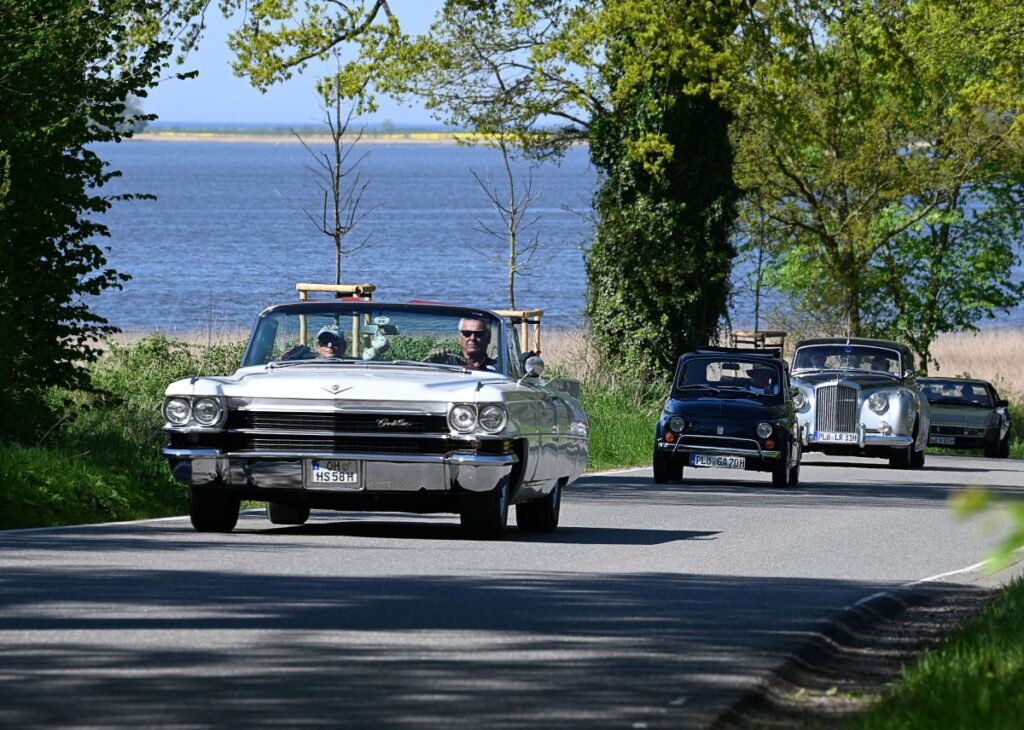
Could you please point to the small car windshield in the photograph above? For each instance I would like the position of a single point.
(342, 333)
(847, 357)
(730, 377)
(957, 392)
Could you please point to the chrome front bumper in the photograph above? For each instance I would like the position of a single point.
(864, 438)
(387, 473)
(676, 447)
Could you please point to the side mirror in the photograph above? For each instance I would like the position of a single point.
(534, 367)
(1002, 404)
(908, 373)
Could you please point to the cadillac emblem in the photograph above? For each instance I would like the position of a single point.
(334, 388)
(393, 423)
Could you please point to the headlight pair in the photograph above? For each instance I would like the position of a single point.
(467, 417)
(185, 411)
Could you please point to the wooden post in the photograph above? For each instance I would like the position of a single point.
(340, 291)
(524, 318)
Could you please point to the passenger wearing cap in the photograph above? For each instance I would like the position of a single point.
(330, 343)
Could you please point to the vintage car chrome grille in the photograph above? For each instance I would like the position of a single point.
(836, 409)
(718, 442)
(338, 421)
(957, 431)
(338, 444)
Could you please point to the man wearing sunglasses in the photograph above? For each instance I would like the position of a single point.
(474, 337)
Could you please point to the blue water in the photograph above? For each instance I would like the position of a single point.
(227, 234)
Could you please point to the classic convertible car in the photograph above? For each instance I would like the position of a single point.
(860, 397)
(355, 405)
(968, 414)
(730, 409)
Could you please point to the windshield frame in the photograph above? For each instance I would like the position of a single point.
(344, 307)
(717, 389)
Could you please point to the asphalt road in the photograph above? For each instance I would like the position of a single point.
(652, 606)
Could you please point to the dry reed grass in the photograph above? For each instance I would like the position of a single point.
(995, 355)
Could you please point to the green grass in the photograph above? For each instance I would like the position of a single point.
(101, 462)
(975, 680)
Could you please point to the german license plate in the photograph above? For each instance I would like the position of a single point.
(830, 437)
(332, 473)
(942, 440)
(719, 462)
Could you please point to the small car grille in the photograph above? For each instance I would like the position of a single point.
(836, 409)
(957, 431)
(334, 422)
(718, 442)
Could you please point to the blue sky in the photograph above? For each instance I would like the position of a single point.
(217, 95)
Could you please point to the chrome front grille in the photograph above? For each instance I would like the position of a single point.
(836, 409)
(337, 422)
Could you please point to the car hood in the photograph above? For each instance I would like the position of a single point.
(947, 415)
(331, 382)
(864, 378)
(721, 409)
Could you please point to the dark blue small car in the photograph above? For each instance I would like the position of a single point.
(731, 409)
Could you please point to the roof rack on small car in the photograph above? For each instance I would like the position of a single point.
(766, 352)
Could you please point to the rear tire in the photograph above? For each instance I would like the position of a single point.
(666, 470)
(540, 515)
(286, 514)
(484, 516)
(212, 509)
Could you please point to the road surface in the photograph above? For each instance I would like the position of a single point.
(651, 606)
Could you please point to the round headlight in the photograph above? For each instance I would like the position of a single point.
(177, 411)
(764, 430)
(462, 418)
(878, 402)
(492, 418)
(799, 401)
(206, 411)
(677, 424)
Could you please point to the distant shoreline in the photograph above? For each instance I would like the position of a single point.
(277, 138)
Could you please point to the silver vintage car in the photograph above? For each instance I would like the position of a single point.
(357, 405)
(860, 397)
(968, 414)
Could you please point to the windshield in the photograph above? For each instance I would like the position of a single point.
(957, 392)
(345, 333)
(847, 357)
(730, 376)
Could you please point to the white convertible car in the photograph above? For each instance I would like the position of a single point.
(355, 405)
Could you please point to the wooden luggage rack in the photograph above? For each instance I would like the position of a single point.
(759, 339)
(363, 292)
(528, 321)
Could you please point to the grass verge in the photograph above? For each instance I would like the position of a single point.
(973, 681)
(102, 461)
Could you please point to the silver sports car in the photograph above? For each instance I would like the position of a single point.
(356, 405)
(860, 397)
(968, 414)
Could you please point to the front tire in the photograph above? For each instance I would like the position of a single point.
(285, 514)
(917, 459)
(484, 516)
(782, 474)
(1004, 447)
(540, 515)
(212, 510)
(665, 469)
(901, 458)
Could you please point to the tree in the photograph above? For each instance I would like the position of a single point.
(339, 181)
(868, 133)
(66, 69)
(545, 72)
(512, 205)
(631, 78)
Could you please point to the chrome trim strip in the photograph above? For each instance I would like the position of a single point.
(467, 459)
(719, 450)
(189, 453)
